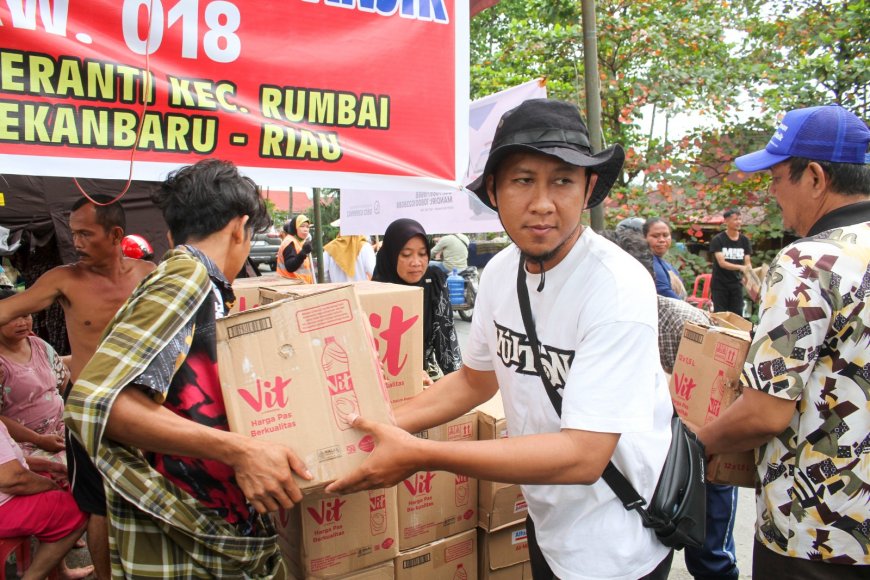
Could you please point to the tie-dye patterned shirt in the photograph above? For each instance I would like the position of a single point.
(812, 346)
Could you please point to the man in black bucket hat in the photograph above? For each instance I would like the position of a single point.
(556, 129)
(595, 320)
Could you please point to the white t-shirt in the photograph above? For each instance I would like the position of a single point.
(365, 266)
(597, 320)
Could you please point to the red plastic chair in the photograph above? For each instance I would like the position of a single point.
(20, 546)
(702, 300)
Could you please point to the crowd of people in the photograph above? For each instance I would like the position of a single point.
(146, 464)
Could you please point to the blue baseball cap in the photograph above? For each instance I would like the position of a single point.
(826, 133)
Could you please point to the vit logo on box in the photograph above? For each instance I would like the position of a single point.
(419, 483)
(270, 395)
(683, 385)
(329, 511)
(392, 338)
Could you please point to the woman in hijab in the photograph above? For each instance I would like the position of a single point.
(293, 259)
(404, 259)
(348, 259)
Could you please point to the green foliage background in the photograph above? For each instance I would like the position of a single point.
(709, 59)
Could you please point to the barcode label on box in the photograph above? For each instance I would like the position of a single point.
(696, 337)
(249, 327)
(416, 561)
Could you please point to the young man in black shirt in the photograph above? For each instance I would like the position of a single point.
(731, 251)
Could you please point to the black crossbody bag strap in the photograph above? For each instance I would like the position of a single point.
(611, 475)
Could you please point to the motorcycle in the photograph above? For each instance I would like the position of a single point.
(471, 277)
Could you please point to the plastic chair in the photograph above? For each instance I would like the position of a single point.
(702, 300)
(20, 546)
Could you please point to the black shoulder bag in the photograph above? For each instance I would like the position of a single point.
(677, 511)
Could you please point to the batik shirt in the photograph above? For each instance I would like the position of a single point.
(812, 346)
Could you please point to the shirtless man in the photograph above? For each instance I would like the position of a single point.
(90, 292)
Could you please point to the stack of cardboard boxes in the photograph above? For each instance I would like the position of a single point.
(503, 549)
(438, 514)
(294, 368)
(395, 316)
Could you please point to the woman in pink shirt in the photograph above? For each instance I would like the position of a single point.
(31, 374)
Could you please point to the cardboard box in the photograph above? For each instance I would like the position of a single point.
(504, 554)
(247, 290)
(294, 370)
(521, 571)
(706, 380)
(452, 558)
(385, 571)
(753, 280)
(395, 313)
(498, 504)
(331, 536)
(437, 504)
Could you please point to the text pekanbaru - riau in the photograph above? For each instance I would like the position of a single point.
(112, 127)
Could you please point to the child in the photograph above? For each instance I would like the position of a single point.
(31, 374)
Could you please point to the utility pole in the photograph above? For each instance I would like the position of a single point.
(593, 94)
(318, 233)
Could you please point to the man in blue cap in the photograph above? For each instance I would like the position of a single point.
(807, 375)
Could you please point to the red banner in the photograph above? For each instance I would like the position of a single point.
(296, 92)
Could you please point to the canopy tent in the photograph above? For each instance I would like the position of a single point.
(39, 208)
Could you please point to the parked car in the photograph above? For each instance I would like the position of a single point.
(264, 249)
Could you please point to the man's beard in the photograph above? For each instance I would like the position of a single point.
(541, 258)
(550, 254)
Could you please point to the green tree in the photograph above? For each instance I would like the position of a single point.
(673, 56)
(330, 200)
(698, 57)
(278, 216)
(810, 52)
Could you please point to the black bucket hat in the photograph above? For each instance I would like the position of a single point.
(553, 128)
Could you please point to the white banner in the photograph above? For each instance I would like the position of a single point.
(484, 115)
(440, 212)
(369, 212)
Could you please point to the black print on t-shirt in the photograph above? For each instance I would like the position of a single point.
(514, 350)
(733, 254)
